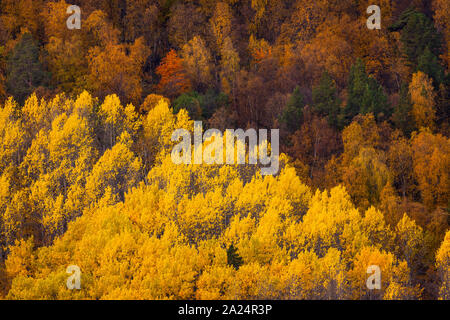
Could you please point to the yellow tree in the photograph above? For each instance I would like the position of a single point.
(221, 23)
(118, 169)
(158, 126)
(443, 266)
(150, 102)
(117, 69)
(395, 281)
(366, 176)
(431, 155)
(66, 49)
(423, 99)
(229, 65)
(197, 62)
(117, 119)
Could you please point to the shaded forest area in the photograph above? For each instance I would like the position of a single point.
(85, 167)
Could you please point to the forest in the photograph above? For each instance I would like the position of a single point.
(86, 176)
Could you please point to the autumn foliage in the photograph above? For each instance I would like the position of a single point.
(86, 176)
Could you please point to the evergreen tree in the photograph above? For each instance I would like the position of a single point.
(24, 70)
(189, 102)
(428, 63)
(293, 111)
(365, 96)
(326, 101)
(233, 257)
(375, 100)
(417, 33)
(356, 88)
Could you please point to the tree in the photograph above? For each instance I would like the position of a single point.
(423, 99)
(174, 80)
(12, 136)
(66, 49)
(326, 101)
(441, 18)
(2, 74)
(442, 263)
(410, 244)
(21, 14)
(151, 101)
(117, 119)
(400, 161)
(305, 19)
(375, 101)
(229, 65)
(180, 28)
(331, 49)
(395, 281)
(118, 69)
(365, 177)
(197, 61)
(293, 112)
(117, 171)
(221, 24)
(139, 20)
(417, 33)
(233, 257)
(190, 103)
(428, 63)
(364, 96)
(314, 144)
(25, 72)
(431, 162)
(402, 116)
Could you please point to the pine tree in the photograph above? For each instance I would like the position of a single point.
(417, 33)
(293, 112)
(429, 64)
(24, 70)
(375, 101)
(365, 96)
(233, 257)
(356, 88)
(326, 101)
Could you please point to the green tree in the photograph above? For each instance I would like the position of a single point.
(293, 112)
(417, 32)
(375, 100)
(233, 257)
(356, 87)
(24, 70)
(428, 63)
(189, 102)
(326, 101)
(365, 96)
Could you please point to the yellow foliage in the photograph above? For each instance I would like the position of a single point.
(141, 227)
